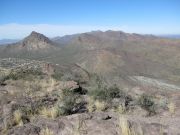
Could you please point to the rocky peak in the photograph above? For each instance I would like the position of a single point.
(35, 36)
(36, 41)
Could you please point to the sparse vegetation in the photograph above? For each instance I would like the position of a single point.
(103, 93)
(104, 97)
(79, 79)
(171, 107)
(100, 105)
(23, 74)
(80, 127)
(18, 117)
(125, 127)
(121, 109)
(70, 102)
(57, 75)
(146, 102)
(46, 131)
(90, 105)
(52, 112)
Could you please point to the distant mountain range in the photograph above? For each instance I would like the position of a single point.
(64, 39)
(8, 41)
(171, 36)
(116, 55)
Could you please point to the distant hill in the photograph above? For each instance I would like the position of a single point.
(35, 45)
(8, 41)
(171, 36)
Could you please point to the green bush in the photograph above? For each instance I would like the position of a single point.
(57, 75)
(146, 102)
(115, 92)
(104, 93)
(70, 102)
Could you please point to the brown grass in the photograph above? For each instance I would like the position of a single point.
(46, 131)
(49, 112)
(18, 117)
(171, 107)
(100, 105)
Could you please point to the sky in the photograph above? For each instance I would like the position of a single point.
(60, 17)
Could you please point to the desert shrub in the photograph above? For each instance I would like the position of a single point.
(146, 102)
(99, 94)
(67, 77)
(80, 90)
(12, 76)
(96, 80)
(57, 75)
(103, 93)
(71, 102)
(115, 92)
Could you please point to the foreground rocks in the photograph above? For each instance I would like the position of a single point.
(102, 123)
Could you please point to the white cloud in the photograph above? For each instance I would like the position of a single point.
(15, 30)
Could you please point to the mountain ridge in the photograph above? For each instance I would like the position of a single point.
(109, 53)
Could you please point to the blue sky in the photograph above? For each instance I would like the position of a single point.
(59, 17)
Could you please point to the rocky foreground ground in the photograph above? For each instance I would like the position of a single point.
(38, 98)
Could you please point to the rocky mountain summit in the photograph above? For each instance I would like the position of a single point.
(36, 41)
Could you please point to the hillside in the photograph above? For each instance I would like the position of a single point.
(123, 54)
(34, 46)
(107, 53)
(84, 83)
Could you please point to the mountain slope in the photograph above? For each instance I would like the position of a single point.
(35, 45)
(115, 53)
(112, 54)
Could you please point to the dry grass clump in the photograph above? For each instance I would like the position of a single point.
(171, 107)
(121, 109)
(80, 127)
(51, 83)
(49, 112)
(100, 105)
(96, 105)
(91, 106)
(46, 131)
(125, 128)
(18, 117)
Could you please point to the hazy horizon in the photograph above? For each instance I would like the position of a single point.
(57, 18)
